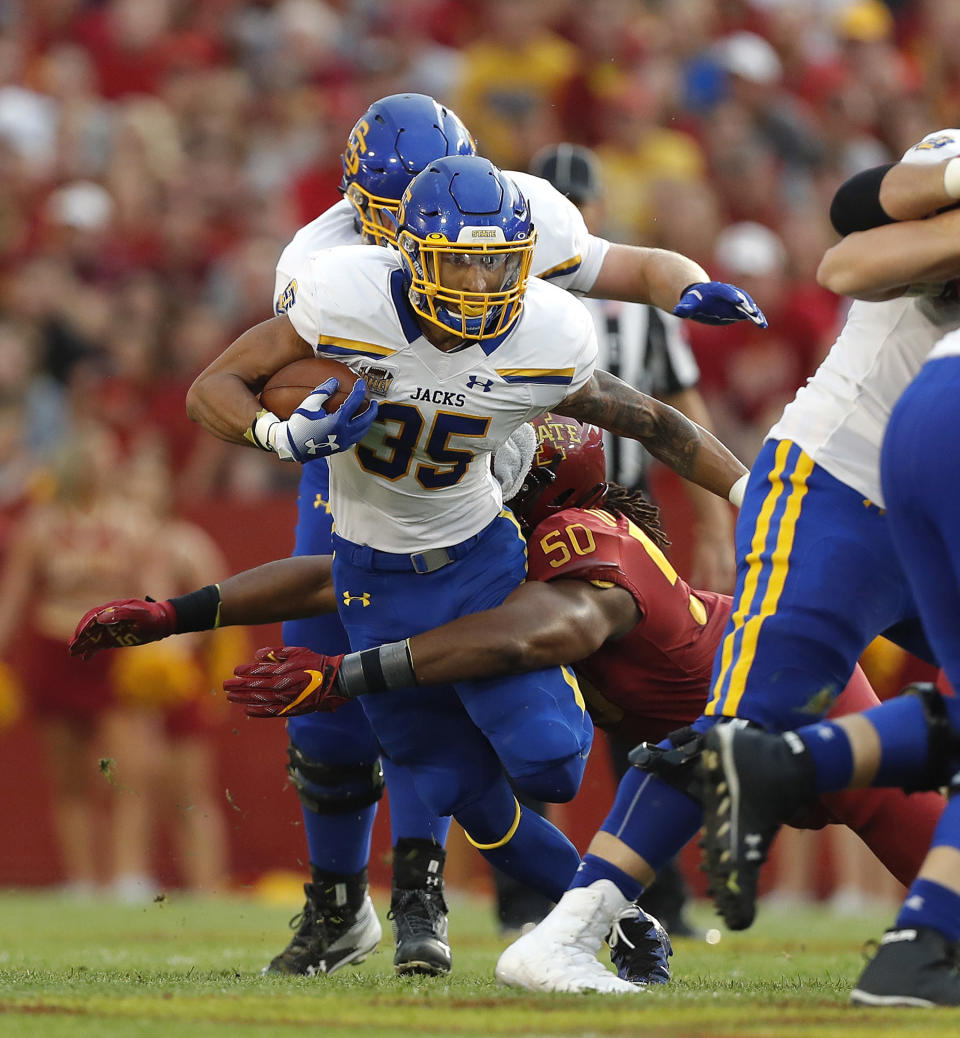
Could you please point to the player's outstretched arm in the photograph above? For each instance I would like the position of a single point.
(674, 283)
(884, 262)
(539, 625)
(283, 590)
(713, 562)
(669, 436)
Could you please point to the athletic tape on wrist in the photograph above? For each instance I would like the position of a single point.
(376, 670)
(263, 431)
(735, 493)
(951, 178)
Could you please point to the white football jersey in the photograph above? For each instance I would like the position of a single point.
(421, 477)
(840, 415)
(949, 346)
(566, 254)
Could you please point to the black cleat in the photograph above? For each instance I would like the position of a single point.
(913, 967)
(752, 782)
(418, 910)
(640, 948)
(338, 925)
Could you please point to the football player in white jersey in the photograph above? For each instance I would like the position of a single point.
(822, 509)
(813, 518)
(469, 353)
(334, 759)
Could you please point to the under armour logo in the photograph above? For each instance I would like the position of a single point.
(329, 445)
(363, 599)
(475, 382)
(319, 502)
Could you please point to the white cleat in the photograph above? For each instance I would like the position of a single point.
(560, 954)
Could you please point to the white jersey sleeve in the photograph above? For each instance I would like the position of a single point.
(567, 255)
(346, 287)
(840, 415)
(334, 226)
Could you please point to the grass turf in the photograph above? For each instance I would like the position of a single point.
(190, 967)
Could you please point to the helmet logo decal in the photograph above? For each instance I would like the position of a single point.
(355, 146)
(557, 434)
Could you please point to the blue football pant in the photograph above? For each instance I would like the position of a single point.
(340, 842)
(920, 470)
(457, 740)
(817, 580)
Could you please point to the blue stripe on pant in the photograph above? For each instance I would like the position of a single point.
(817, 580)
(458, 739)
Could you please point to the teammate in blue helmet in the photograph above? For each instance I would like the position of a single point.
(466, 264)
(396, 138)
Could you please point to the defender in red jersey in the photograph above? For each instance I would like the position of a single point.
(601, 595)
(650, 681)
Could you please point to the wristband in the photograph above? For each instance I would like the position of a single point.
(735, 493)
(262, 433)
(376, 670)
(951, 178)
(198, 610)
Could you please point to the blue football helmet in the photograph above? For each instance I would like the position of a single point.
(396, 138)
(464, 212)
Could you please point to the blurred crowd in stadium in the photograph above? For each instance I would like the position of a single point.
(156, 156)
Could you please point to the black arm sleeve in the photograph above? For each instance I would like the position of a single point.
(856, 205)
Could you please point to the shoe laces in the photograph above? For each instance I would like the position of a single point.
(312, 921)
(642, 959)
(418, 912)
(869, 949)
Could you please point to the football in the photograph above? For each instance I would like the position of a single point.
(287, 388)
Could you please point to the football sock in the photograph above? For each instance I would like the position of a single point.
(520, 843)
(831, 753)
(927, 902)
(904, 734)
(410, 818)
(930, 904)
(339, 843)
(651, 817)
(593, 868)
(904, 737)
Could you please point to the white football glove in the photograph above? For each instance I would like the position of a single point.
(312, 433)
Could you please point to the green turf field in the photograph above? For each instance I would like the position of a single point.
(189, 968)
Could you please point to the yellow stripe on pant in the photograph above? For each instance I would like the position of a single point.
(731, 682)
(504, 840)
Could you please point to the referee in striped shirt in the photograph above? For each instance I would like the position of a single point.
(647, 348)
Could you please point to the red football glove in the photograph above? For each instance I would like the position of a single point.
(128, 621)
(286, 681)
